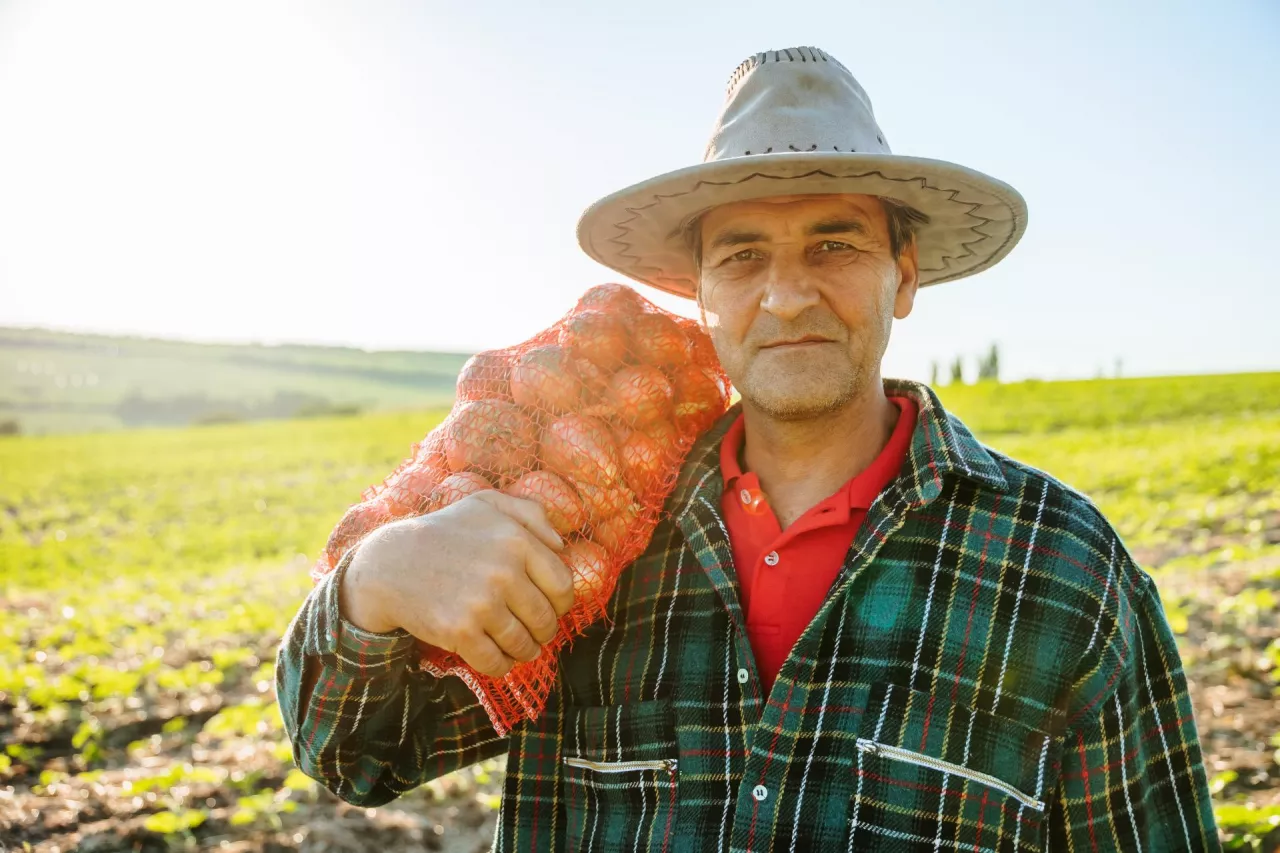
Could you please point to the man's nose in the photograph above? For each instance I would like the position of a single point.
(788, 291)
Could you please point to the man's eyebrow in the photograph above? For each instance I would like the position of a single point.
(826, 226)
(737, 238)
(837, 226)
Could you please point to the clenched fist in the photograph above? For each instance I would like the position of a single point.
(480, 578)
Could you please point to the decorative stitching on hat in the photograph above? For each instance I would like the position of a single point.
(813, 147)
(635, 212)
(807, 54)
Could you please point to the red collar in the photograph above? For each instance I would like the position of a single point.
(861, 490)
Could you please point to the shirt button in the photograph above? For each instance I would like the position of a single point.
(771, 559)
(743, 675)
(759, 792)
(745, 496)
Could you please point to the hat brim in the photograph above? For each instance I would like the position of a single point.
(975, 220)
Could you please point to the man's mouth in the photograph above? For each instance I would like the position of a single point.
(798, 343)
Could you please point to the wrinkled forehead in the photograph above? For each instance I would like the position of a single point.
(783, 212)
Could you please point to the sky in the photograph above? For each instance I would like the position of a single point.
(409, 175)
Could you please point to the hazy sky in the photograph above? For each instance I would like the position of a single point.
(410, 174)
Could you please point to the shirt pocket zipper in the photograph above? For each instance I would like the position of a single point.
(667, 764)
(897, 753)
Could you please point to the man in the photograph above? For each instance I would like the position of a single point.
(857, 629)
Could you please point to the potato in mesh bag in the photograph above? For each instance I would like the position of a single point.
(590, 418)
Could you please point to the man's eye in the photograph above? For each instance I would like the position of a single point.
(833, 246)
(744, 255)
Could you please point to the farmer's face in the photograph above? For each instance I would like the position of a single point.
(812, 268)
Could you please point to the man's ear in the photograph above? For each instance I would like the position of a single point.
(909, 282)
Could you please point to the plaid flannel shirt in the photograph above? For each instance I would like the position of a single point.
(991, 671)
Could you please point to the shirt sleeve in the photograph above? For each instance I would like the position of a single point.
(361, 718)
(1133, 776)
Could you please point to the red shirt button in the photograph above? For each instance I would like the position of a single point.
(753, 501)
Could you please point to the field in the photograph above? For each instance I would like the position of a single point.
(146, 575)
(56, 382)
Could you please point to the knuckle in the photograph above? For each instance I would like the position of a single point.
(501, 580)
(477, 611)
(510, 633)
(510, 537)
(483, 656)
(544, 626)
(562, 592)
(526, 650)
(491, 664)
(516, 641)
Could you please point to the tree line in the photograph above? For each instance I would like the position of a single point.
(988, 368)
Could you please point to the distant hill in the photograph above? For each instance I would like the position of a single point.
(58, 382)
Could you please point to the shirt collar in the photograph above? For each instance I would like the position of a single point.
(942, 448)
(860, 490)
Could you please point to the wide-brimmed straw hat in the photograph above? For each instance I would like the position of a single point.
(795, 121)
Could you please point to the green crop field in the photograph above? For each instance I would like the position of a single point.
(59, 382)
(146, 576)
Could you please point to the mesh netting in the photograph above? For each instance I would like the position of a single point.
(591, 418)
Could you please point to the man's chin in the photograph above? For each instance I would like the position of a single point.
(797, 405)
(797, 395)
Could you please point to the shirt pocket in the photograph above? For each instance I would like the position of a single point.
(938, 775)
(620, 774)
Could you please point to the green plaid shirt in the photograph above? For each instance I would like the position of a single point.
(991, 671)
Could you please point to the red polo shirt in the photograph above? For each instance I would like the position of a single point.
(784, 575)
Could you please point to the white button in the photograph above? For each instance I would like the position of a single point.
(743, 675)
(771, 559)
(745, 495)
(759, 792)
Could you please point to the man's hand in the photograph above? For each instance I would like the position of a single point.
(479, 578)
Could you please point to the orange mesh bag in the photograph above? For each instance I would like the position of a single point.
(591, 418)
